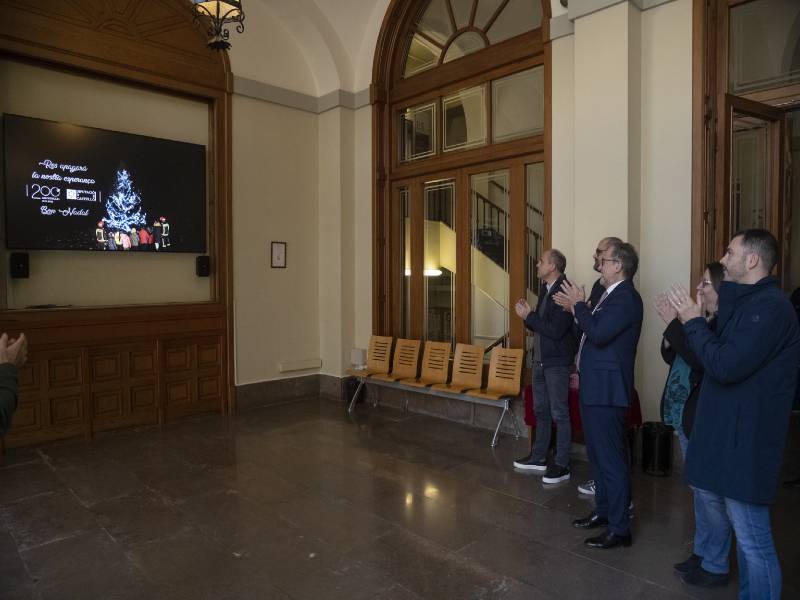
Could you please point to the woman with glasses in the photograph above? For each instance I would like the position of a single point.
(708, 564)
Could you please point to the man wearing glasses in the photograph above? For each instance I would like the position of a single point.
(605, 362)
(598, 288)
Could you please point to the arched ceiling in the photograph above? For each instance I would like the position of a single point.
(312, 46)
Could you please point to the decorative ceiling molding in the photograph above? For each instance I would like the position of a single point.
(157, 37)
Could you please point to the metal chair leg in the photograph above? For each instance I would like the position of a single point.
(355, 396)
(499, 423)
(515, 421)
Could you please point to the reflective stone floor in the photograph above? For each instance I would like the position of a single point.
(300, 501)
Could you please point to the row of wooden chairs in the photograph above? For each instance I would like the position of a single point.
(505, 368)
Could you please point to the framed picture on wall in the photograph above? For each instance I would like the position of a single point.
(278, 255)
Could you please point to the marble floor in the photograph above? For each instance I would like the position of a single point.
(301, 501)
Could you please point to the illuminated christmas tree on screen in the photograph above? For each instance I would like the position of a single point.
(123, 207)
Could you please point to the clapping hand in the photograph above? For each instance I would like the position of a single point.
(522, 308)
(664, 308)
(569, 295)
(14, 351)
(687, 308)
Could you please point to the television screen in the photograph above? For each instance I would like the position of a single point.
(69, 187)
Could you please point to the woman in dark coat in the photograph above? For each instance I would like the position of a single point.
(678, 406)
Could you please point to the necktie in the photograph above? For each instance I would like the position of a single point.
(583, 337)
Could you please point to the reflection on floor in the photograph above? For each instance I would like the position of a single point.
(299, 501)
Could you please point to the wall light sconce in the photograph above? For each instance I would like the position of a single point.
(220, 13)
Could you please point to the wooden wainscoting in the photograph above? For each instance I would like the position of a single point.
(134, 366)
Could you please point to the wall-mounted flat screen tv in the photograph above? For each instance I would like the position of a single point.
(69, 187)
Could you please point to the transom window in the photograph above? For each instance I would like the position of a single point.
(451, 29)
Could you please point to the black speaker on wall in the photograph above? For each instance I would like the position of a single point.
(18, 265)
(203, 266)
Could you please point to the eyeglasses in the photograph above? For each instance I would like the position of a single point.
(605, 260)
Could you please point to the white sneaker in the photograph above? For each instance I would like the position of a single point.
(588, 488)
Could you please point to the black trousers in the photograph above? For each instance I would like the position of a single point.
(606, 445)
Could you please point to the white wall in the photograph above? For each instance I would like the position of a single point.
(563, 150)
(362, 227)
(336, 191)
(666, 141)
(97, 279)
(274, 199)
(601, 134)
(650, 193)
(267, 52)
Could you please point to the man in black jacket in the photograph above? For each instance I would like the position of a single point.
(12, 356)
(736, 449)
(554, 353)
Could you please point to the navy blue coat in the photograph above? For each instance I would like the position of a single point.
(743, 412)
(555, 329)
(609, 353)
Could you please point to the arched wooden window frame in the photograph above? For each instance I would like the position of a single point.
(389, 91)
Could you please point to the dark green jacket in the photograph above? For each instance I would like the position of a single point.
(8, 395)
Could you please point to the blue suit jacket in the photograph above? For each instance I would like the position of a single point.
(609, 353)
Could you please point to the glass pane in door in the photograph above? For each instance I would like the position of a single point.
(534, 226)
(490, 216)
(792, 215)
(764, 45)
(749, 172)
(439, 268)
(534, 234)
(406, 312)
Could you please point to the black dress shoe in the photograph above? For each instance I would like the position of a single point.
(590, 522)
(702, 578)
(792, 484)
(609, 540)
(690, 564)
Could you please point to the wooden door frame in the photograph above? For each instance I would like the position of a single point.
(711, 112)
(389, 92)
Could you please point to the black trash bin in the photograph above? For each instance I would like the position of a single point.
(656, 448)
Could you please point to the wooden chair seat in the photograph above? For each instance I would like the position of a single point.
(467, 370)
(405, 363)
(379, 357)
(416, 382)
(505, 371)
(361, 372)
(386, 377)
(486, 394)
(449, 387)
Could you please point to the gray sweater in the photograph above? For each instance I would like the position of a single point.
(8, 395)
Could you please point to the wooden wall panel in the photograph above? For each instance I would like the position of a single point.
(66, 410)
(28, 417)
(107, 403)
(101, 368)
(142, 363)
(143, 398)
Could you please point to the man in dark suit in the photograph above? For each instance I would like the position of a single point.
(553, 356)
(605, 362)
(588, 487)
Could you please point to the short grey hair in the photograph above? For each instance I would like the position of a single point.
(558, 259)
(627, 256)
